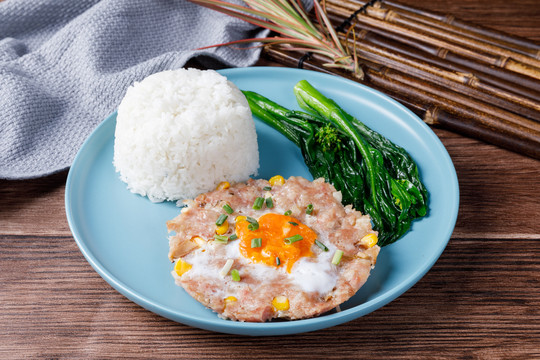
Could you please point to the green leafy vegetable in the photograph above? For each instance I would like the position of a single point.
(228, 209)
(373, 174)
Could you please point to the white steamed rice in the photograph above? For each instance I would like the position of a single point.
(180, 133)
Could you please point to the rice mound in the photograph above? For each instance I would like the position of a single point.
(181, 132)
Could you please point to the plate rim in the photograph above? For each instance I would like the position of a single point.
(280, 327)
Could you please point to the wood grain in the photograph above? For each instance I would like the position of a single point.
(467, 306)
(481, 299)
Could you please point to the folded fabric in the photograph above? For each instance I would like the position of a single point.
(65, 65)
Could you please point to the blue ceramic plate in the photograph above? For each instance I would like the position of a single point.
(123, 236)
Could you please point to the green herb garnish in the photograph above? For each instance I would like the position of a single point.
(228, 209)
(253, 224)
(293, 239)
(221, 219)
(258, 204)
(222, 239)
(321, 245)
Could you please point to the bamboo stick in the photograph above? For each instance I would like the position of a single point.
(502, 82)
(452, 101)
(466, 83)
(502, 78)
(436, 109)
(457, 38)
(519, 103)
(385, 10)
(465, 121)
(489, 34)
(463, 102)
(452, 28)
(484, 53)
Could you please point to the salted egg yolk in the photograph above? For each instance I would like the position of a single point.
(273, 231)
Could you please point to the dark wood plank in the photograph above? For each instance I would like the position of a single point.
(498, 196)
(468, 306)
(34, 206)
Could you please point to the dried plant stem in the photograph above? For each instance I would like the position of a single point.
(461, 102)
(294, 28)
(444, 26)
(459, 26)
(448, 59)
(384, 21)
(501, 78)
(464, 83)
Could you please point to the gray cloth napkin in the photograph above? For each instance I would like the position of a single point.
(65, 65)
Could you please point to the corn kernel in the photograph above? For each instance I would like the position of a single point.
(369, 240)
(198, 240)
(280, 303)
(223, 185)
(241, 218)
(181, 267)
(222, 229)
(229, 300)
(276, 180)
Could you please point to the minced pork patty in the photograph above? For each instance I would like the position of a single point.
(280, 263)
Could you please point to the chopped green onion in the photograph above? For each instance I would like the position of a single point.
(321, 245)
(287, 213)
(221, 219)
(233, 237)
(235, 275)
(293, 223)
(258, 204)
(309, 209)
(253, 224)
(256, 242)
(269, 203)
(293, 239)
(337, 257)
(228, 209)
(267, 188)
(278, 262)
(222, 239)
(225, 269)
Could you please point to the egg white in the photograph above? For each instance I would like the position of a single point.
(314, 274)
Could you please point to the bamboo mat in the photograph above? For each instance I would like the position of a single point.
(456, 75)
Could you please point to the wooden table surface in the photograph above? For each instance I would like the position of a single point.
(481, 300)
